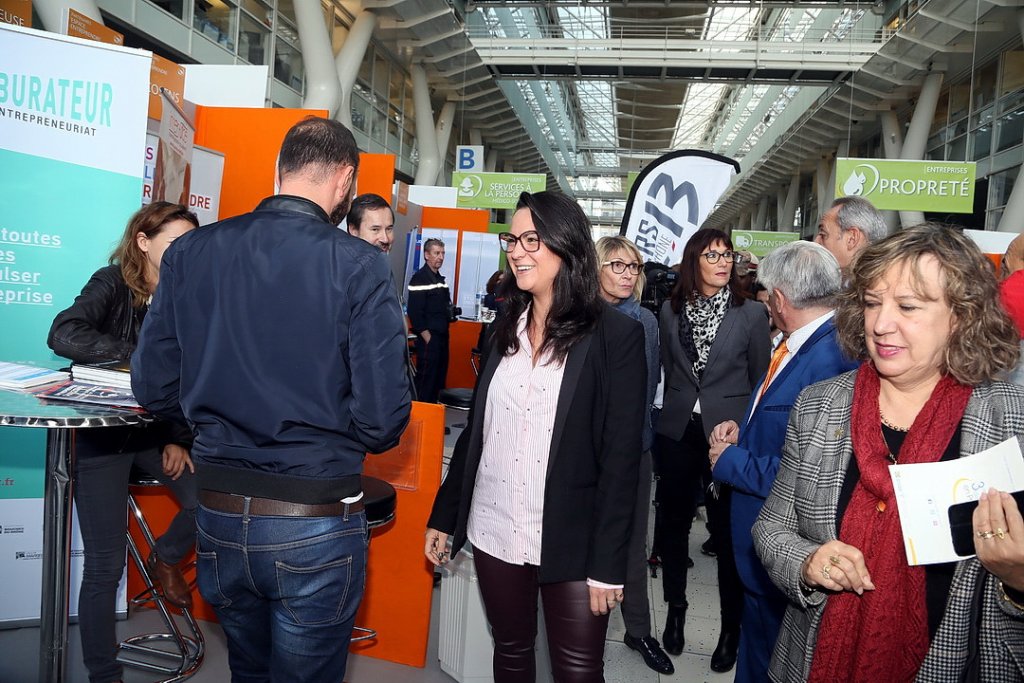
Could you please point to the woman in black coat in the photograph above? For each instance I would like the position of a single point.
(103, 325)
(543, 481)
(715, 349)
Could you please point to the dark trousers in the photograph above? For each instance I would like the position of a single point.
(575, 635)
(762, 621)
(684, 470)
(636, 607)
(431, 366)
(101, 498)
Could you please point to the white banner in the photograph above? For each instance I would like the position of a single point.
(58, 101)
(670, 200)
(207, 172)
(173, 154)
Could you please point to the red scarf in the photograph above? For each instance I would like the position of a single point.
(883, 634)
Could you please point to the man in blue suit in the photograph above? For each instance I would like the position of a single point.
(802, 280)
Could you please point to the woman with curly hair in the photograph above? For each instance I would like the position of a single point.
(922, 313)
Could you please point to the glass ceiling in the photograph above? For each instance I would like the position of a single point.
(581, 116)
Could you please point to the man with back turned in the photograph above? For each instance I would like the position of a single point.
(281, 341)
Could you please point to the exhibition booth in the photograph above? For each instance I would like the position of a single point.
(89, 131)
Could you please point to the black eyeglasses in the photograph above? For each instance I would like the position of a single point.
(713, 256)
(619, 267)
(530, 241)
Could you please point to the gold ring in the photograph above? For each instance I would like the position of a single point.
(986, 534)
(1000, 533)
(834, 560)
(825, 572)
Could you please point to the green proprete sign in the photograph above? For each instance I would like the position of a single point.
(935, 186)
(760, 242)
(495, 190)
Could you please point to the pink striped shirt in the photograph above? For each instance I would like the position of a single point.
(508, 499)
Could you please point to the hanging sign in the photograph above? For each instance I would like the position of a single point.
(77, 25)
(16, 12)
(165, 74)
(671, 198)
(495, 190)
(898, 185)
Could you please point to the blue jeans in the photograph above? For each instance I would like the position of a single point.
(285, 589)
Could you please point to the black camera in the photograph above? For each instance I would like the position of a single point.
(661, 280)
(453, 313)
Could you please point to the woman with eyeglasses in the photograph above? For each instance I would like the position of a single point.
(622, 284)
(714, 349)
(543, 480)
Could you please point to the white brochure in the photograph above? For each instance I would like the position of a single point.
(925, 491)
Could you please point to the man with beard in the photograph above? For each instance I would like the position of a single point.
(280, 340)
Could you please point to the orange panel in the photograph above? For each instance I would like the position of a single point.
(399, 579)
(472, 220)
(376, 174)
(250, 140)
(462, 338)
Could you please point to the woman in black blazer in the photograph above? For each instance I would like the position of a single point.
(543, 481)
(714, 350)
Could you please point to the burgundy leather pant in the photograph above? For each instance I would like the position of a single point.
(575, 635)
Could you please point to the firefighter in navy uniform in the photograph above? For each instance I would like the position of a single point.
(430, 312)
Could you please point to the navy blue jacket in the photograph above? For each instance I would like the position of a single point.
(428, 301)
(281, 340)
(751, 465)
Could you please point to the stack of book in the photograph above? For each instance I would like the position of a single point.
(110, 374)
(18, 376)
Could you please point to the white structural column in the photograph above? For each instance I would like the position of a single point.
(52, 11)
(426, 139)
(322, 88)
(780, 206)
(789, 209)
(843, 150)
(916, 142)
(762, 214)
(443, 132)
(892, 145)
(1011, 220)
(349, 58)
(821, 186)
(491, 160)
(476, 137)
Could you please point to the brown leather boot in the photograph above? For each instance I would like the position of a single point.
(171, 580)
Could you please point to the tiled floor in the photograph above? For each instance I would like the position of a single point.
(19, 651)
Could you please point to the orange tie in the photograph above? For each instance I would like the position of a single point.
(773, 367)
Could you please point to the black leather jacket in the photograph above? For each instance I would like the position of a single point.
(102, 325)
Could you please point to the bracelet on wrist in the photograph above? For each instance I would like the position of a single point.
(1012, 596)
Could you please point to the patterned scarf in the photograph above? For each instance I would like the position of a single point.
(697, 329)
(883, 634)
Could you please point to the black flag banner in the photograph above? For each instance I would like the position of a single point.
(670, 199)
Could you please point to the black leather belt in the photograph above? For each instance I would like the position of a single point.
(235, 504)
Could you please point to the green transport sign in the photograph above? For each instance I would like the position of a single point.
(760, 242)
(934, 186)
(495, 190)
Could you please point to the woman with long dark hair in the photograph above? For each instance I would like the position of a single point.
(543, 481)
(103, 325)
(715, 350)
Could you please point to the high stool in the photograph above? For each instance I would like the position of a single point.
(186, 650)
(456, 399)
(379, 505)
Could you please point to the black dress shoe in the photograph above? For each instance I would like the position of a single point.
(724, 657)
(708, 548)
(673, 638)
(654, 657)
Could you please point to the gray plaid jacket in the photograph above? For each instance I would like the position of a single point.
(800, 515)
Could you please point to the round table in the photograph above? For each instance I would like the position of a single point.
(22, 409)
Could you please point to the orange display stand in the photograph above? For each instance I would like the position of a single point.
(399, 579)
